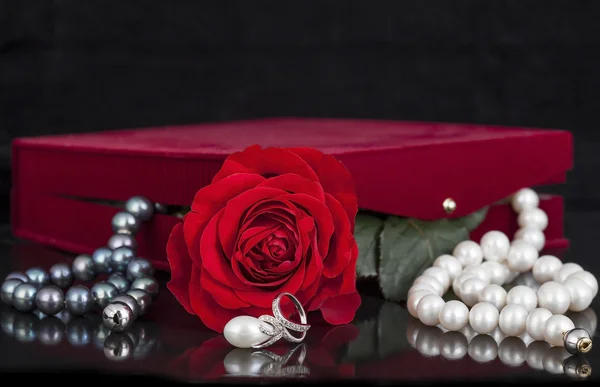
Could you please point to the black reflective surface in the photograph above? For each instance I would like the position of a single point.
(384, 343)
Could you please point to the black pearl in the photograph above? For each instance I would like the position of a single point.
(139, 267)
(122, 240)
(120, 258)
(24, 297)
(119, 280)
(50, 300)
(125, 223)
(8, 288)
(147, 284)
(140, 207)
(83, 268)
(101, 258)
(37, 276)
(103, 293)
(79, 300)
(61, 275)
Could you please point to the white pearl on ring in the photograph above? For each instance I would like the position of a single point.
(244, 332)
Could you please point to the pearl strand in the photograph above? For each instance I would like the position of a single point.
(125, 295)
(477, 272)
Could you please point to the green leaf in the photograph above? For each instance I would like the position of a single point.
(473, 220)
(409, 246)
(366, 233)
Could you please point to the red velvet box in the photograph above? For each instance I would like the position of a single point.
(401, 168)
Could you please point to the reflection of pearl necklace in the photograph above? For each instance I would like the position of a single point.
(520, 310)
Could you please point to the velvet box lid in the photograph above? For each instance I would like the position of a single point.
(400, 168)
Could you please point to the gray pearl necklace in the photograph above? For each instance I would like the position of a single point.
(124, 296)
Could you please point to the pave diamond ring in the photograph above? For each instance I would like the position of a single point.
(252, 332)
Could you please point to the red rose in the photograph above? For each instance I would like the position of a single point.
(272, 220)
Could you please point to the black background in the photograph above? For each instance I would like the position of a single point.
(73, 66)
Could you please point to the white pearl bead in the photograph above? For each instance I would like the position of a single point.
(457, 283)
(428, 280)
(450, 264)
(545, 268)
(522, 295)
(566, 270)
(525, 198)
(536, 321)
(428, 309)
(419, 287)
(494, 245)
(533, 236)
(498, 272)
(588, 278)
(512, 319)
(479, 271)
(468, 253)
(244, 332)
(440, 275)
(521, 257)
(483, 317)
(554, 297)
(413, 301)
(554, 328)
(494, 294)
(454, 315)
(470, 290)
(580, 294)
(533, 217)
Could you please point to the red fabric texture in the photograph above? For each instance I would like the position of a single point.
(402, 168)
(273, 220)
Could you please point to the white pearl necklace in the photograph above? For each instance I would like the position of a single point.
(477, 272)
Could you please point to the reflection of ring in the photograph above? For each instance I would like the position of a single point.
(252, 332)
(280, 324)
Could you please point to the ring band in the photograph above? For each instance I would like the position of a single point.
(280, 326)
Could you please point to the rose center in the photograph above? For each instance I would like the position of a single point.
(277, 247)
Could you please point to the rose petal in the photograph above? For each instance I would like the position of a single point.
(295, 184)
(265, 162)
(208, 201)
(341, 242)
(222, 295)
(335, 178)
(212, 256)
(213, 315)
(264, 298)
(181, 267)
(341, 309)
(235, 210)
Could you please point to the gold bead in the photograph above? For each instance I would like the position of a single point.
(449, 205)
(584, 345)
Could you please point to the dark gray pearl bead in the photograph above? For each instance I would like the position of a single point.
(118, 347)
(50, 300)
(140, 207)
(26, 327)
(17, 275)
(24, 297)
(139, 267)
(79, 300)
(125, 223)
(101, 258)
(79, 332)
(61, 275)
(103, 293)
(8, 288)
(119, 280)
(120, 258)
(51, 331)
(130, 302)
(144, 300)
(37, 276)
(83, 268)
(122, 240)
(147, 284)
(117, 316)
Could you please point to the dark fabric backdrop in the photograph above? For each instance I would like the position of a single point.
(74, 65)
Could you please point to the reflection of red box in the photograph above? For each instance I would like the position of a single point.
(406, 169)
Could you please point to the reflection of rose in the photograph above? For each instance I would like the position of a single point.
(272, 220)
(215, 358)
